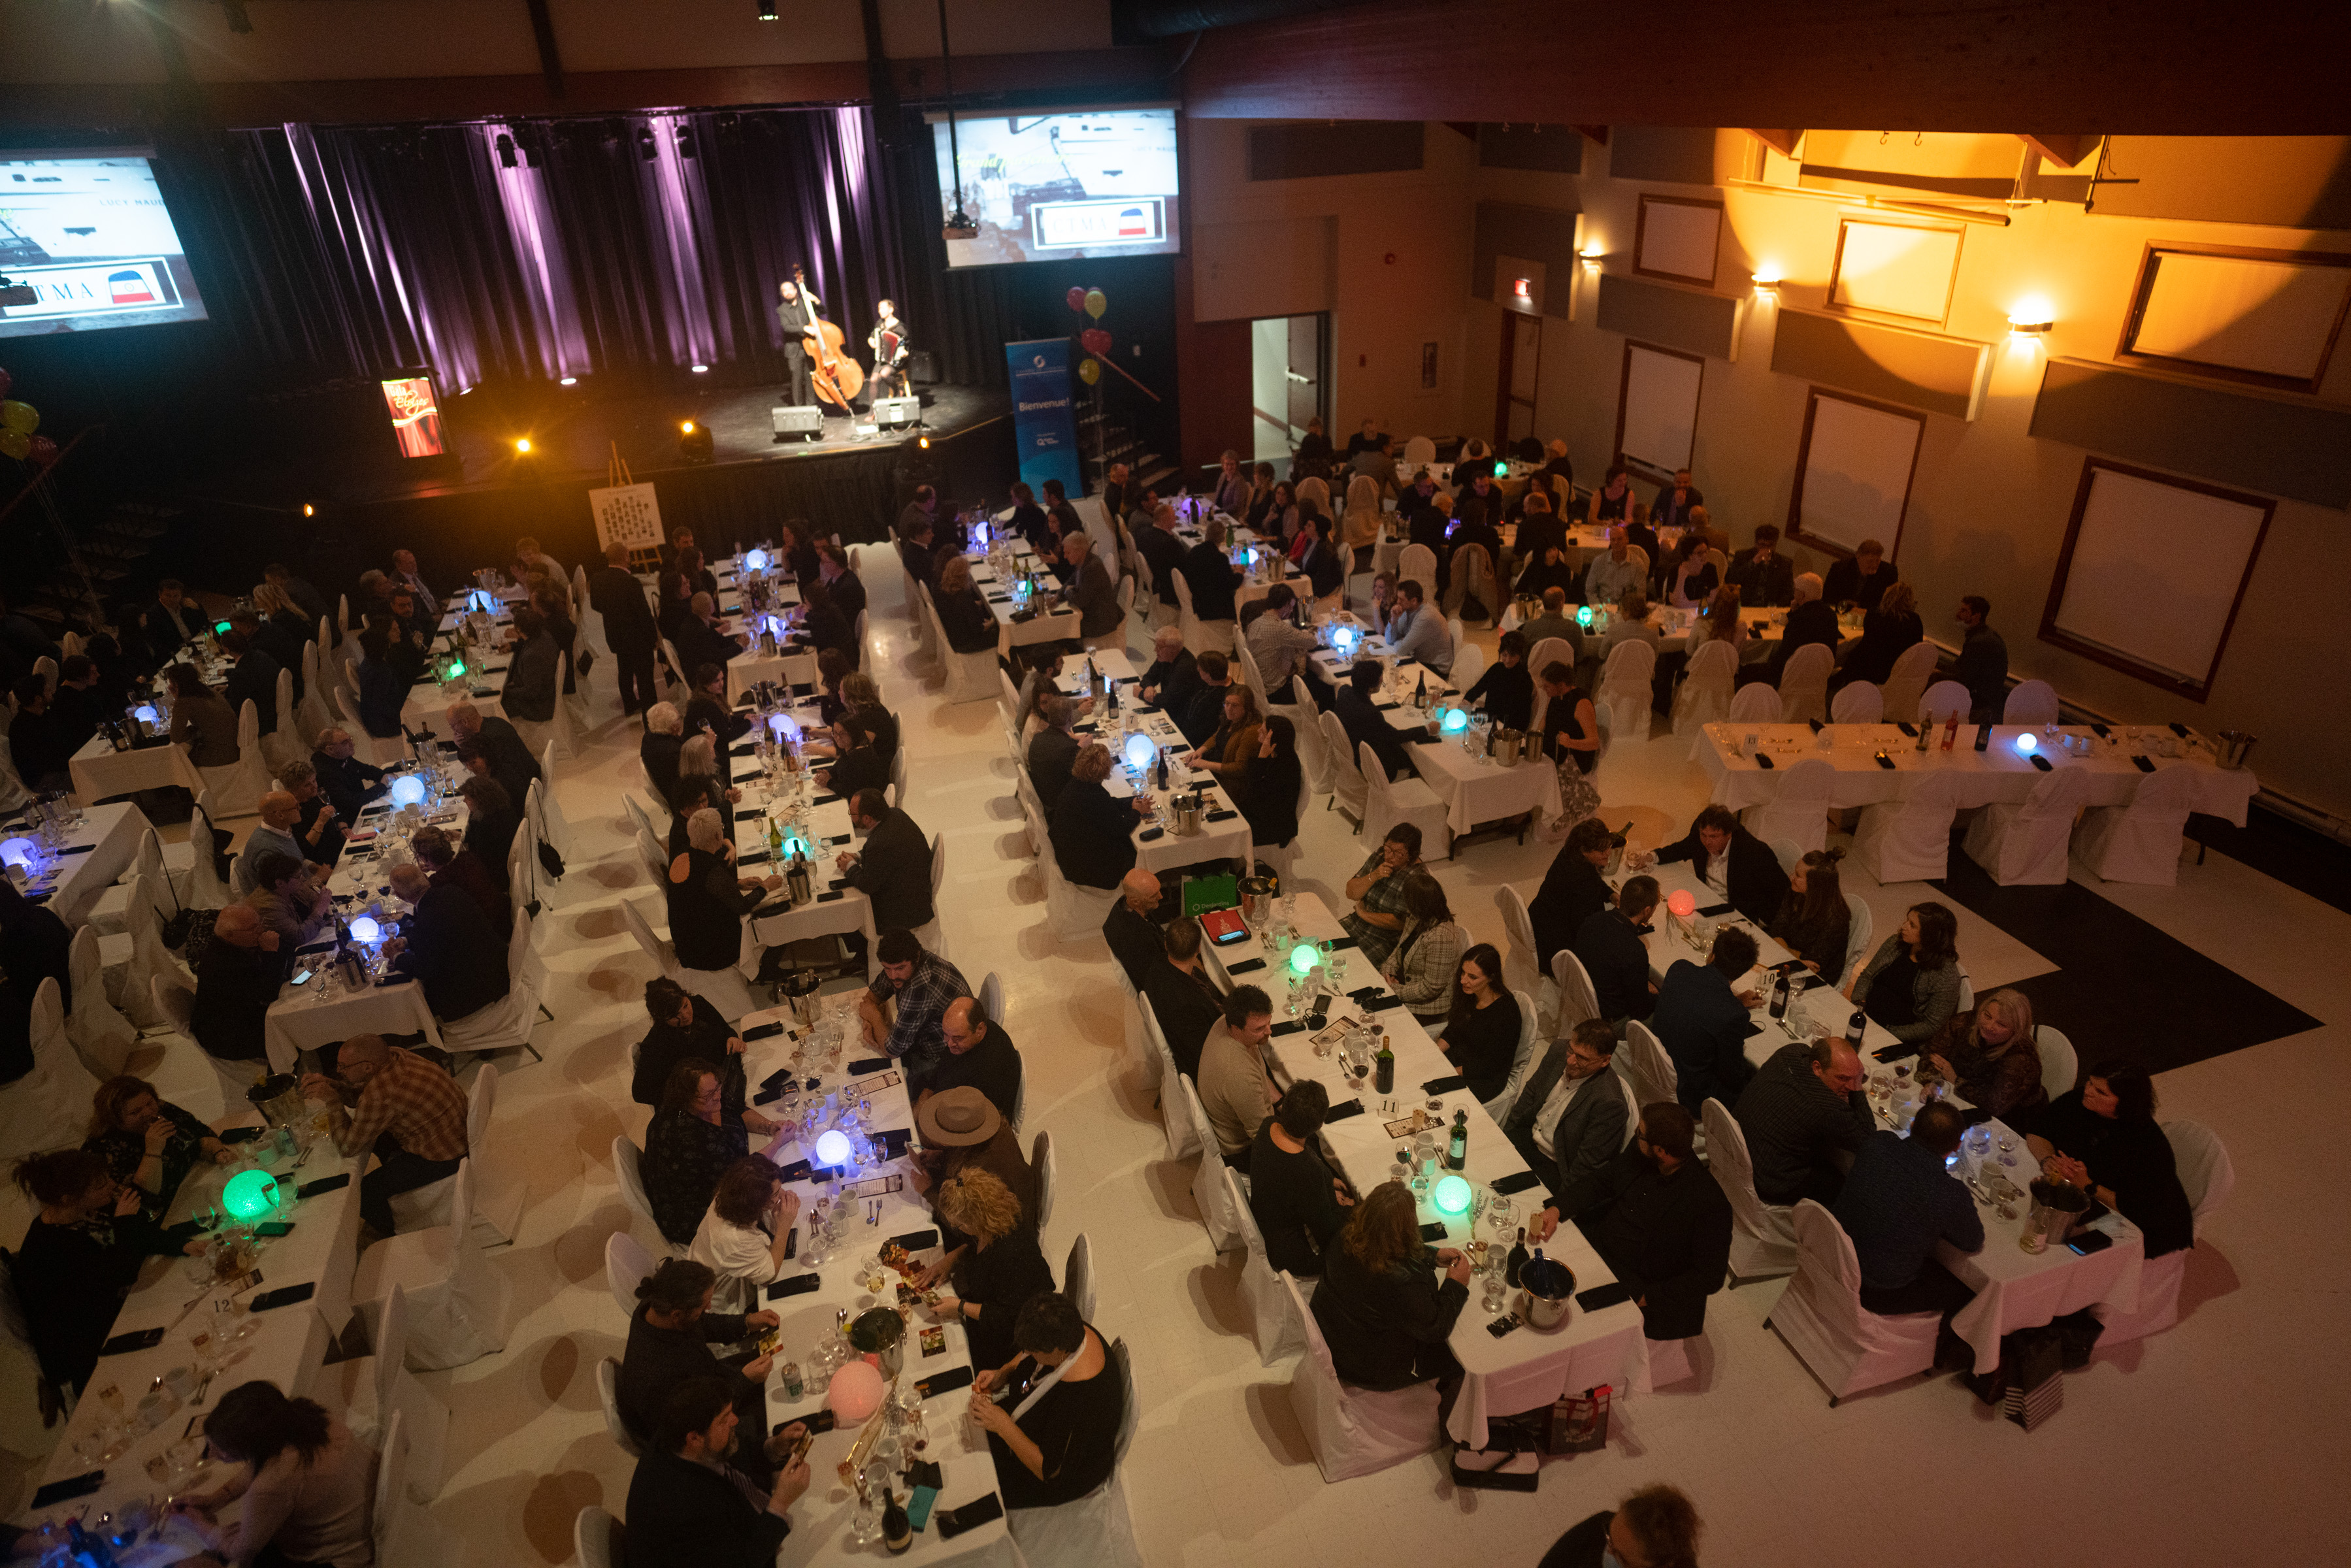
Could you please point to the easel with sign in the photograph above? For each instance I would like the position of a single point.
(627, 513)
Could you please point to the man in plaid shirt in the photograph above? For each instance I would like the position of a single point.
(408, 1111)
(923, 984)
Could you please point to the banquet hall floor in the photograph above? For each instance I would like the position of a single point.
(2180, 1447)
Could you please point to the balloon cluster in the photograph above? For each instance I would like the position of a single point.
(1094, 339)
(19, 421)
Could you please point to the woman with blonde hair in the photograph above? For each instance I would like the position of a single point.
(1381, 1308)
(963, 613)
(1990, 1056)
(1360, 529)
(1720, 619)
(999, 1266)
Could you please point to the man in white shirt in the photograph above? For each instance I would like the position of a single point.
(1611, 577)
(279, 812)
(1416, 631)
(1281, 647)
(1571, 1113)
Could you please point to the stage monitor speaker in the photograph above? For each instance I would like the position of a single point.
(922, 366)
(797, 419)
(895, 412)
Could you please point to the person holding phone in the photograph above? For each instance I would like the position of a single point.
(691, 1505)
(1381, 1306)
(81, 1254)
(672, 1340)
(1059, 1441)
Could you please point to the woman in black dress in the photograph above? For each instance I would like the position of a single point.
(2103, 1138)
(79, 1258)
(1887, 633)
(1056, 1445)
(707, 901)
(1267, 788)
(998, 1271)
(698, 786)
(1092, 830)
(1482, 1034)
(148, 1143)
(493, 816)
(963, 614)
(689, 1144)
(822, 624)
(1815, 921)
(1507, 687)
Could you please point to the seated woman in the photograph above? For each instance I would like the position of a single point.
(1506, 689)
(1911, 985)
(686, 1025)
(81, 1254)
(708, 708)
(493, 816)
(1060, 1440)
(858, 763)
(862, 694)
(1990, 1058)
(822, 624)
(1000, 1268)
(1377, 892)
(382, 689)
(1720, 621)
(2104, 1139)
(291, 898)
(1381, 1310)
(1690, 576)
(831, 670)
(1324, 563)
(1092, 830)
(1267, 788)
(1482, 1034)
(707, 901)
(147, 1142)
(1300, 1202)
(742, 1239)
(1225, 752)
(204, 723)
(1814, 920)
(1886, 632)
(963, 614)
(689, 1144)
(308, 1485)
(699, 787)
(676, 602)
(1422, 966)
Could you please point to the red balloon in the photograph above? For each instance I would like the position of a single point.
(41, 451)
(1076, 296)
(1096, 340)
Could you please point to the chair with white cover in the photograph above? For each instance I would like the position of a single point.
(2031, 843)
(1419, 451)
(640, 819)
(1276, 1333)
(1944, 700)
(598, 1539)
(1041, 1162)
(2140, 841)
(1646, 1068)
(1579, 998)
(1348, 793)
(1805, 683)
(557, 829)
(1909, 839)
(1523, 1062)
(655, 949)
(628, 1167)
(2060, 1064)
(1704, 695)
(1785, 852)
(404, 1535)
(1821, 1318)
(285, 744)
(1859, 702)
(1389, 801)
(1306, 732)
(1417, 563)
(497, 1206)
(1905, 683)
(380, 750)
(102, 1036)
(174, 997)
(1754, 703)
(149, 959)
(369, 1391)
(237, 787)
(1522, 969)
(1354, 1431)
(207, 890)
(70, 643)
(1799, 811)
(51, 1102)
(1074, 912)
(1857, 932)
(608, 1394)
(509, 1023)
(464, 1305)
(991, 997)
(1078, 1276)
(1176, 1122)
(1210, 1192)
(1201, 635)
(1625, 688)
(1096, 1530)
(1762, 1235)
(1472, 576)
(626, 1265)
(2207, 1178)
(2031, 702)
(1468, 663)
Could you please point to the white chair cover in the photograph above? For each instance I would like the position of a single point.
(659, 951)
(1347, 789)
(1578, 999)
(2206, 1171)
(1075, 913)
(1905, 683)
(596, 1535)
(628, 1165)
(1175, 1117)
(369, 1390)
(101, 1035)
(236, 789)
(497, 1206)
(1762, 1235)
(1754, 703)
(1417, 563)
(1473, 574)
(1078, 1276)
(464, 1305)
(626, 1264)
(1523, 1060)
(1210, 1192)
(2031, 843)
(50, 1104)
(1805, 683)
(1418, 450)
(1799, 811)
(1097, 1530)
(285, 744)
(1861, 702)
(1909, 839)
(2207, 1178)
(206, 888)
(1388, 802)
(46, 668)
(13, 793)
(608, 1394)
(1520, 969)
(176, 1075)
(150, 959)
(2140, 841)
(1040, 1162)
(1626, 691)
(1859, 922)
(1820, 1315)
(1647, 1069)
(1785, 852)
(1278, 1333)
(1468, 663)
(1943, 699)
(1704, 695)
(2031, 702)
(1354, 1431)
(2061, 1065)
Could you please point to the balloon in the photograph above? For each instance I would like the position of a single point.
(1096, 303)
(855, 1392)
(1096, 341)
(1682, 903)
(43, 451)
(1077, 299)
(1090, 371)
(24, 418)
(14, 442)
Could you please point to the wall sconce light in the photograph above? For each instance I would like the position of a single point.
(1767, 278)
(1590, 255)
(2030, 318)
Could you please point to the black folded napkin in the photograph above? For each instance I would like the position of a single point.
(1445, 1086)
(837, 884)
(838, 839)
(1763, 760)
(1387, 708)
(751, 857)
(77, 849)
(1711, 910)
(1366, 994)
(824, 800)
(1289, 1026)
(1340, 944)
(1346, 1109)
(1420, 738)
(2181, 730)
(2142, 763)
(827, 897)
(746, 750)
(1517, 1182)
(750, 814)
(1221, 816)
(916, 1240)
(1382, 1004)
(762, 1032)
(1245, 966)
(999, 598)
(871, 1064)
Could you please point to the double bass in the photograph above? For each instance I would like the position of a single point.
(835, 376)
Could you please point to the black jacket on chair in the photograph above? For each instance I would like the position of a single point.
(1667, 1237)
(1094, 834)
(895, 871)
(1572, 893)
(1050, 756)
(1187, 1007)
(1375, 1324)
(1757, 883)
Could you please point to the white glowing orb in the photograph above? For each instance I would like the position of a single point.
(1140, 750)
(408, 789)
(2026, 745)
(832, 1148)
(145, 714)
(781, 723)
(365, 930)
(16, 851)
(757, 560)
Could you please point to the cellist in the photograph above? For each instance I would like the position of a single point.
(799, 316)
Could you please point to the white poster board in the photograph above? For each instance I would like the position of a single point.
(1894, 269)
(1658, 420)
(2272, 319)
(626, 515)
(2156, 569)
(1853, 477)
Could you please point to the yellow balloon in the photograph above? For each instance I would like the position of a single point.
(23, 417)
(14, 442)
(1096, 303)
(1090, 371)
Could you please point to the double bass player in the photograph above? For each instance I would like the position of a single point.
(798, 314)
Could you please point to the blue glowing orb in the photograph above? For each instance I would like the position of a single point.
(145, 714)
(1140, 750)
(250, 1195)
(408, 789)
(1501, 469)
(2026, 745)
(16, 851)
(483, 599)
(755, 560)
(365, 930)
(832, 1148)
(1453, 1195)
(781, 723)
(1456, 720)
(1303, 957)
(1344, 639)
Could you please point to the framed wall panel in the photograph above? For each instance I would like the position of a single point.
(1678, 237)
(2267, 316)
(1854, 467)
(2152, 572)
(1890, 267)
(1656, 409)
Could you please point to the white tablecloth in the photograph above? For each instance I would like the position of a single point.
(1526, 1369)
(1475, 789)
(1997, 773)
(112, 834)
(780, 922)
(100, 772)
(1047, 625)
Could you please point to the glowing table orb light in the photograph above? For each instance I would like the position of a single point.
(16, 851)
(1303, 957)
(833, 1148)
(250, 1195)
(854, 1393)
(2026, 745)
(1140, 750)
(364, 929)
(408, 789)
(1584, 615)
(1455, 721)
(782, 725)
(145, 714)
(755, 560)
(457, 668)
(1682, 903)
(1453, 1195)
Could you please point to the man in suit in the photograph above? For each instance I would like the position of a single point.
(1162, 551)
(236, 984)
(1608, 944)
(1659, 1221)
(1572, 1113)
(1366, 725)
(1702, 1022)
(1898, 1201)
(1812, 619)
(1132, 929)
(1572, 890)
(980, 1055)
(348, 783)
(1185, 1003)
(894, 869)
(511, 762)
(1763, 575)
(698, 639)
(629, 628)
(1676, 502)
(1737, 867)
(917, 516)
(1052, 751)
(1982, 664)
(1211, 674)
(1090, 593)
(1803, 1110)
(1168, 680)
(448, 945)
(403, 573)
(253, 678)
(690, 1507)
(171, 623)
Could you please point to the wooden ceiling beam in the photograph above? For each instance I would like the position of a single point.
(1783, 142)
(2061, 148)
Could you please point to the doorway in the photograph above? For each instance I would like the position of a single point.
(1514, 414)
(1289, 383)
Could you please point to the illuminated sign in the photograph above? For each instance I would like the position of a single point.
(415, 415)
(1063, 225)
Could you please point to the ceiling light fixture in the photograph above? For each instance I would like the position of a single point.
(767, 9)
(238, 20)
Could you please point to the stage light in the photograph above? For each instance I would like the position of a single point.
(765, 9)
(702, 370)
(506, 151)
(522, 446)
(1453, 1195)
(249, 1194)
(568, 381)
(310, 509)
(687, 428)
(694, 442)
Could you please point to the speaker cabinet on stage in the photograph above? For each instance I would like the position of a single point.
(922, 366)
(896, 413)
(797, 419)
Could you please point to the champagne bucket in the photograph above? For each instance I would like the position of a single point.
(799, 989)
(279, 1098)
(1506, 746)
(1550, 1286)
(2234, 743)
(1188, 815)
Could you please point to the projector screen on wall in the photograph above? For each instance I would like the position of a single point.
(88, 233)
(1048, 186)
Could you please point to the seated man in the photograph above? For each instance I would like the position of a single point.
(35, 745)
(274, 835)
(1555, 622)
(447, 864)
(1737, 868)
(236, 981)
(1802, 1109)
(980, 1055)
(1898, 1201)
(700, 640)
(668, 1346)
(1053, 751)
(317, 825)
(1182, 998)
(894, 868)
(1211, 674)
(1608, 944)
(1300, 1202)
(1162, 551)
(1570, 1116)
(291, 898)
(1356, 704)
(1763, 575)
(1234, 1088)
(1572, 891)
(410, 1113)
(1703, 1023)
(1132, 928)
(1811, 620)
(1168, 682)
(1282, 648)
(1658, 1220)
(689, 1506)
(447, 945)
(1612, 576)
(921, 984)
(1417, 630)
(511, 763)
(665, 737)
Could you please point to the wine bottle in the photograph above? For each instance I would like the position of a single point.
(897, 1532)
(1383, 1065)
(1856, 1028)
(1516, 1260)
(1420, 692)
(1163, 772)
(1779, 998)
(1456, 1148)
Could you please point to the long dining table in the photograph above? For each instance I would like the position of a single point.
(1224, 831)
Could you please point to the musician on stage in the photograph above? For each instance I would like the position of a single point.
(798, 314)
(888, 341)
